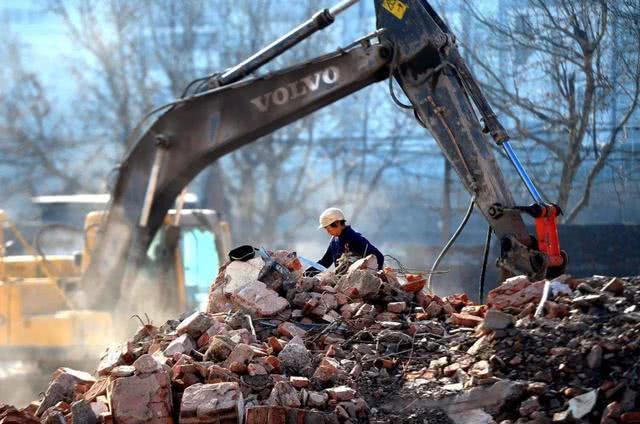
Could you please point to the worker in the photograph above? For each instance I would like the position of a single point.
(344, 239)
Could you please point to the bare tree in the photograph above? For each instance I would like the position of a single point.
(116, 81)
(36, 142)
(139, 55)
(559, 87)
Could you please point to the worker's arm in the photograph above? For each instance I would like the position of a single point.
(327, 258)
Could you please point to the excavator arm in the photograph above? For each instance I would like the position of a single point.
(199, 130)
(447, 100)
(411, 43)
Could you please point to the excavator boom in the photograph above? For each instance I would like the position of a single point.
(412, 44)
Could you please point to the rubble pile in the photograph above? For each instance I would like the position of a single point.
(276, 346)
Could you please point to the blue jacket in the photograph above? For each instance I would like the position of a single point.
(356, 244)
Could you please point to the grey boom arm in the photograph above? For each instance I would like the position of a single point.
(193, 134)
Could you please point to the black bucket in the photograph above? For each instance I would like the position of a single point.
(242, 253)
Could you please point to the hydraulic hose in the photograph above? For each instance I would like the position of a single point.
(483, 272)
(452, 240)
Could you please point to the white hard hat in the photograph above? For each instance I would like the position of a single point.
(329, 216)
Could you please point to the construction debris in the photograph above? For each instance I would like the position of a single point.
(367, 346)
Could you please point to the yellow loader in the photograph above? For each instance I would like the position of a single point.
(43, 317)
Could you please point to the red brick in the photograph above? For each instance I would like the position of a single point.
(412, 283)
(275, 344)
(274, 362)
(516, 292)
(327, 370)
(477, 310)
(458, 300)
(299, 382)
(290, 330)
(465, 320)
(396, 307)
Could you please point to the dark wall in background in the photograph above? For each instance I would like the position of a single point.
(593, 249)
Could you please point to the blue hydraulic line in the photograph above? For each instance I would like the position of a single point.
(523, 174)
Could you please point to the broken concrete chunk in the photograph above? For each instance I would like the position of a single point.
(110, 359)
(317, 399)
(79, 376)
(582, 405)
(497, 320)
(368, 263)
(239, 274)
(341, 393)
(241, 354)
(481, 369)
(182, 344)
(122, 371)
(283, 394)
(477, 310)
(451, 370)
(142, 399)
(472, 416)
(212, 403)
(81, 412)
(477, 345)
(287, 258)
(241, 335)
(195, 325)
(259, 300)
(295, 357)
(219, 348)
(61, 389)
(562, 417)
(359, 284)
(67, 385)
(146, 364)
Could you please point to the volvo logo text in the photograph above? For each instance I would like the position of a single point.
(282, 95)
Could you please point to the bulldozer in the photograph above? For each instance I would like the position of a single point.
(43, 314)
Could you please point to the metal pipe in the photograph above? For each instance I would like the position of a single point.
(523, 174)
(151, 186)
(341, 7)
(319, 21)
(179, 206)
